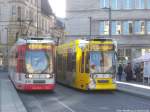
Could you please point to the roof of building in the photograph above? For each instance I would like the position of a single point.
(46, 8)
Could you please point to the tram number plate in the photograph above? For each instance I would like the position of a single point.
(102, 81)
(39, 81)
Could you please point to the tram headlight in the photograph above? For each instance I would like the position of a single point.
(30, 76)
(92, 84)
(49, 76)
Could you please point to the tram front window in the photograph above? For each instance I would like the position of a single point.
(101, 62)
(37, 61)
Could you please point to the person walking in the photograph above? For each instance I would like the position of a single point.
(120, 71)
(137, 72)
(129, 73)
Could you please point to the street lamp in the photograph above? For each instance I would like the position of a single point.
(90, 20)
(37, 17)
(109, 10)
(7, 46)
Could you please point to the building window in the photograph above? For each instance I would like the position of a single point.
(128, 4)
(116, 28)
(148, 4)
(13, 10)
(19, 13)
(140, 4)
(148, 27)
(114, 4)
(128, 52)
(31, 14)
(101, 28)
(121, 53)
(113, 27)
(27, 14)
(104, 3)
(127, 27)
(119, 4)
(104, 28)
(139, 27)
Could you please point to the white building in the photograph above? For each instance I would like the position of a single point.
(20, 18)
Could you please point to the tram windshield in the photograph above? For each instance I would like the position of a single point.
(37, 61)
(102, 62)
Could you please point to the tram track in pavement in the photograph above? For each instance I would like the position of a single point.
(64, 99)
(43, 102)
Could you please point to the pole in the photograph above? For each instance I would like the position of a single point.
(7, 47)
(37, 18)
(110, 22)
(90, 20)
(7, 40)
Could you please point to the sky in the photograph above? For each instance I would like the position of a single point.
(59, 7)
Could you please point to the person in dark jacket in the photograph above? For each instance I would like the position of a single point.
(137, 71)
(120, 71)
(129, 73)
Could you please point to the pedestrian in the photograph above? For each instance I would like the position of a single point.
(120, 71)
(137, 72)
(129, 73)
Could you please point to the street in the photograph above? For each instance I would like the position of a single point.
(64, 99)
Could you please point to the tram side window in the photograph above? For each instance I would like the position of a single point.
(82, 64)
(71, 62)
(59, 62)
(64, 64)
(87, 62)
(74, 62)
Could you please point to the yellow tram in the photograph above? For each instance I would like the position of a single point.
(87, 64)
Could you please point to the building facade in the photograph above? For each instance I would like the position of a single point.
(22, 18)
(126, 21)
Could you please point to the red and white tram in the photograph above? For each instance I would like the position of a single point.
(31, 64)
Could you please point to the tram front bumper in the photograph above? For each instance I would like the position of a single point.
(106, 87)
(102, 84)
(30, 87)
(103, 87)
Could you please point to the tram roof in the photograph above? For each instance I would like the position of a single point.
(95, 39)
(101, 39)
(30, 40)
